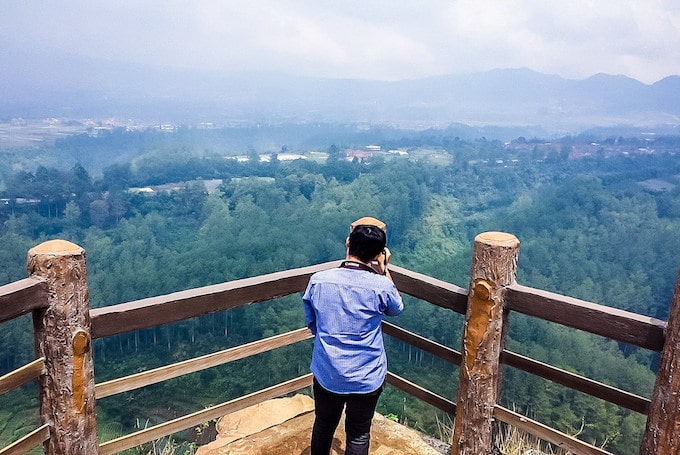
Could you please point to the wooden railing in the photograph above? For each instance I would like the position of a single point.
(58, 280)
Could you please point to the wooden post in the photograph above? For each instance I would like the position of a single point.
(662, 433)
(62, 337)
(494, 266)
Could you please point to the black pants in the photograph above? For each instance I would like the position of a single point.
(359, 411)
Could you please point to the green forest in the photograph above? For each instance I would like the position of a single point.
(598, 218)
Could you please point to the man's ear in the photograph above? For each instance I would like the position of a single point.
(347, 242)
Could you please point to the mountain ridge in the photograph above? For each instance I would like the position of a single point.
(79, 87)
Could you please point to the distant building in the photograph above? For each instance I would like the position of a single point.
(145, 190)
(282, 157)
(239, 158)
(290, 156)
(358, 154)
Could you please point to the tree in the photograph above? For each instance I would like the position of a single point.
(51, 190)
(333, 154)
(117, 177)
(72, 218)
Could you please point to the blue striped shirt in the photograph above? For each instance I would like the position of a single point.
(344, 309)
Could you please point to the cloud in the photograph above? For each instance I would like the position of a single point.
(377, 40)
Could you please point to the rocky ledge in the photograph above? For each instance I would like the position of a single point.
(282, 426)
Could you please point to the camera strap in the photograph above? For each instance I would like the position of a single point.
(356, 265)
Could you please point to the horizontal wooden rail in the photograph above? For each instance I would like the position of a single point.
(437, 292)
(165, 309)
(577, 382)
(420, 342)
(518, 421)
(619, 325)
(559, 376)
(421, 393)
(28, 442)
(22, 375)
(562, 440)
(22, 297)
(154, 376)
(205, 415)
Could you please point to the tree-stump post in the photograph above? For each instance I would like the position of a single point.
(62, 337)
(494, 266)
(662, 432)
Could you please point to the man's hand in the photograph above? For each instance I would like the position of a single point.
(383, 259)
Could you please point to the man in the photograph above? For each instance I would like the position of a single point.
(344, 309)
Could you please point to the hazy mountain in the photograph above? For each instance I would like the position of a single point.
(51, 85)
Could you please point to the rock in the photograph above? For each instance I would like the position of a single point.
(255, 419)
(283, 426)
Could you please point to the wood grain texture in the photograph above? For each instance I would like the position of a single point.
(619, 325)
(662, 433)
(73, 426)
(29, 442)
(432, 290)
(22, 297)
(494, 267)
(21, 376)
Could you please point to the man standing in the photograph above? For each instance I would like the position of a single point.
(344, 309)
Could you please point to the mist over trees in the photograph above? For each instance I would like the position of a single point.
(598, 218)
(548, 102)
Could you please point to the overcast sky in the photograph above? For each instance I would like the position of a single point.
(384, 39)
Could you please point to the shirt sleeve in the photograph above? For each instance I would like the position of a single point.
(310, 315)
(393, 305)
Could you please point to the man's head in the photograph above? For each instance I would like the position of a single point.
(366, 242)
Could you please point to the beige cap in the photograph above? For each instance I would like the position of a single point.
(368, 221)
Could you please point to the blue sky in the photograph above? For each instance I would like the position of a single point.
(383, 39)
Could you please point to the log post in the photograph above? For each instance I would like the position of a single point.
(494, 266)
(62, 337)
(662, 432)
